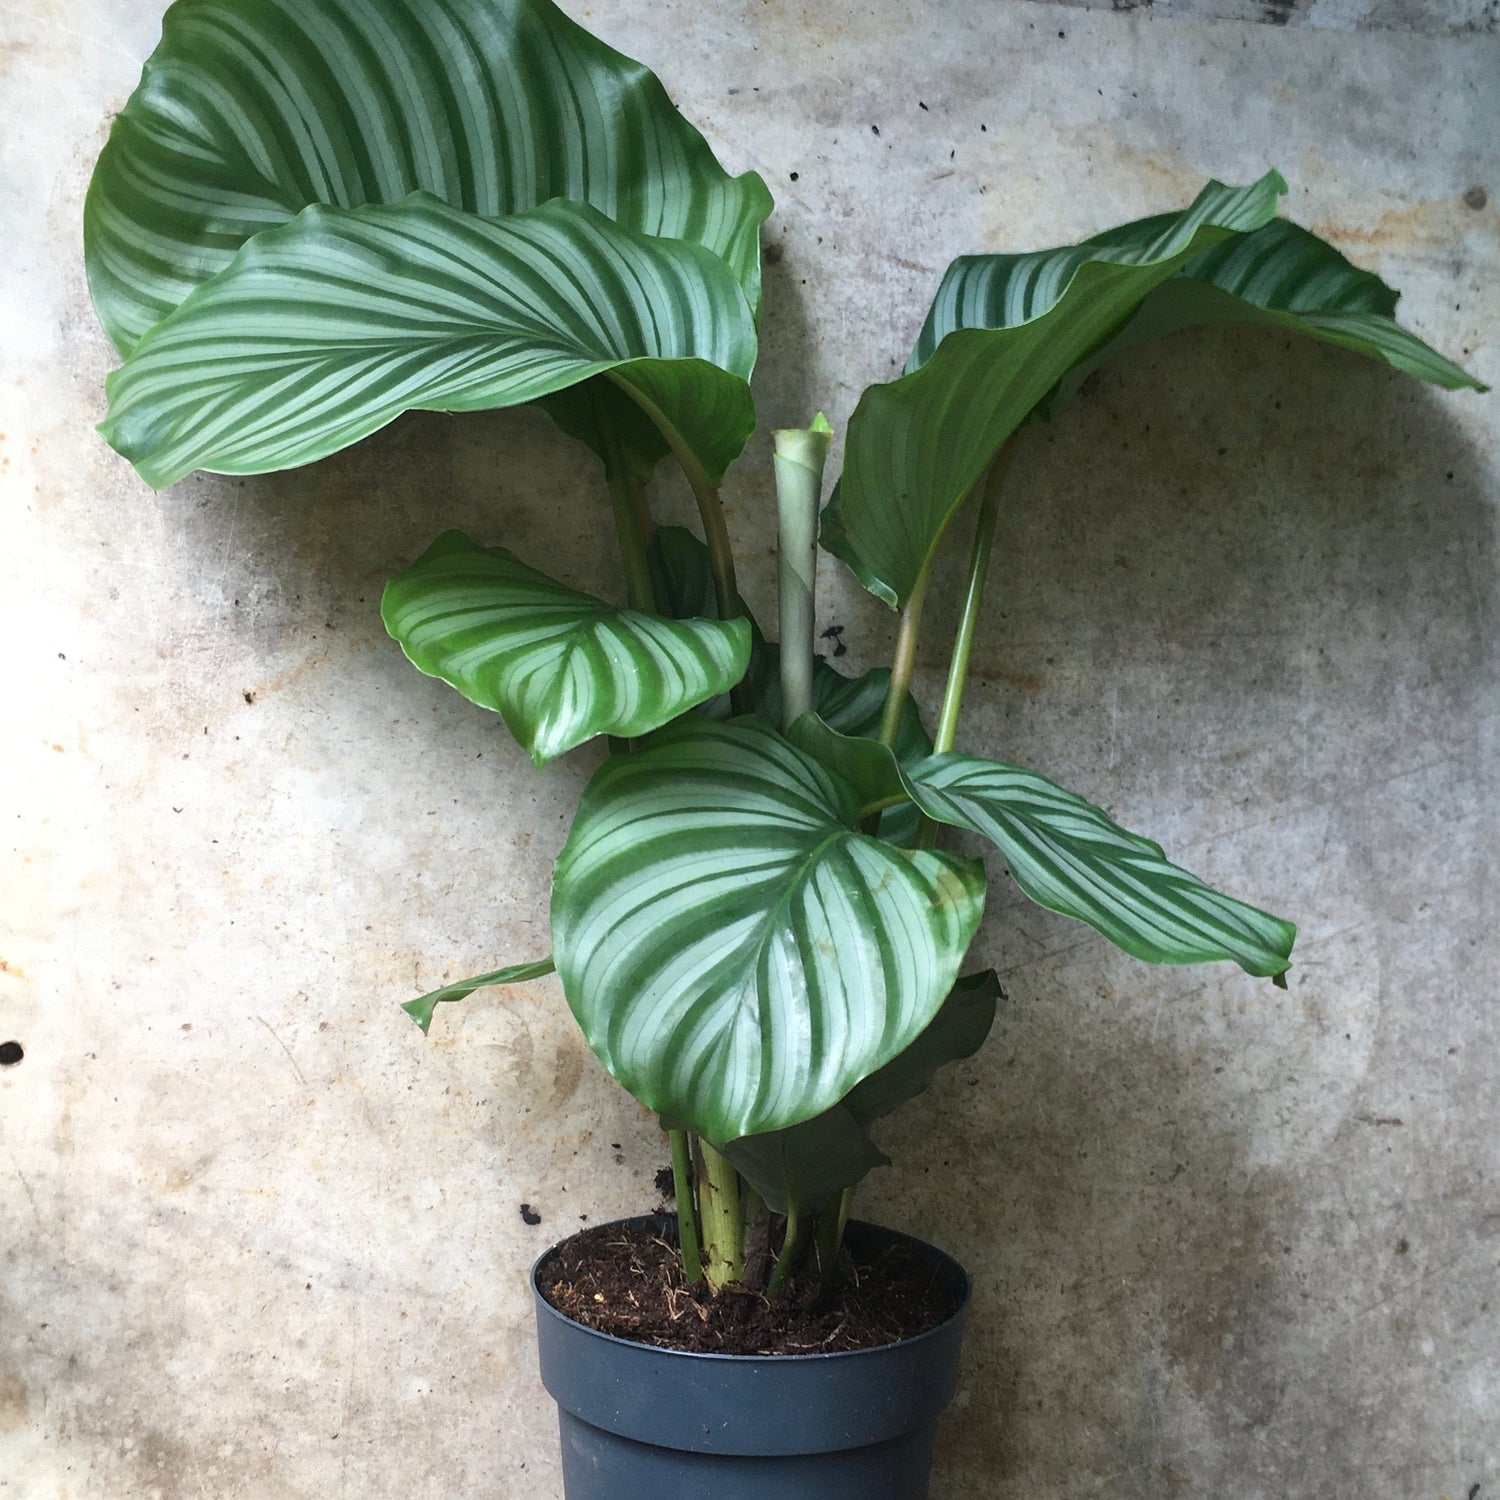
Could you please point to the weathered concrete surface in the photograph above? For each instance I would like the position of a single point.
(1438, 17)
(261, 1242)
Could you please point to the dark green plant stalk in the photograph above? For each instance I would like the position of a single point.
(793, 1243)
(968, 623)
(828, 1238)
(904, 661)
(687, 1221)
(979, 563)
(710, 511)
(632, 518)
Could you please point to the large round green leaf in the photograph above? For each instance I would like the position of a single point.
(1010, 336)
(325, 329)
(560, 667)
(250, 110)
(737, 953)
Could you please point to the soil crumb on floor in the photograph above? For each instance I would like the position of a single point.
(626, 1280)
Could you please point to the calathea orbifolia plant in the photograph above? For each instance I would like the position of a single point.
(316, 214)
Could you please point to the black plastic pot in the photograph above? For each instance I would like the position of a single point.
(640, 1423)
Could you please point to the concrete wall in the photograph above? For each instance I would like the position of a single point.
(262, 1242)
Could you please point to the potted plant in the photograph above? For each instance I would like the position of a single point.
(311, 218)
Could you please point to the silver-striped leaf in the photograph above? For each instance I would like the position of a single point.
(1065, 853)
(1008, 336)
(1282, 277)
(325, 329)
(799, 1168)
(248, 111)
(421, 1009)
(736, 952)
(1071, 857)
(559, 666)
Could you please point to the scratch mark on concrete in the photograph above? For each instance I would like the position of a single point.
(30, 1196)
(284, 1048)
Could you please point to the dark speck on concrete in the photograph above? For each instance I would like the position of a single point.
(875, 129)
(529, 1215)
(1476, 197)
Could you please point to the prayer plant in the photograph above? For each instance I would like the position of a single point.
(313, 215)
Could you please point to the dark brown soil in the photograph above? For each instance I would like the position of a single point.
(626, 1280)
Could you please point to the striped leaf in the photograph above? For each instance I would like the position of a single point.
(249, 111)
(737, 953)
(1065, 853)
(558, 666)
(1280, 277)
(421, 1009)
(1010, 336)
(1070, 857)
(800, 1167)
(325, 329)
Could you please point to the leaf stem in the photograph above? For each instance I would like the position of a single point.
(710, 513)
(968, 622)
(723, 1224)
(979, 563)
(800, 456)
(687, 1220)
(705, 493)
(639, 593)
(792, 1243)
(904, 662)
(632, 517)
(828, 1237)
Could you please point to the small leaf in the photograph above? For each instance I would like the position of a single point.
(1070, 857)
(797, 1169)
(558, 666)
(421, 1009)
(320, 332)
(737, 953)
(248, 111)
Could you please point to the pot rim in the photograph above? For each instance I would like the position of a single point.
(966, 1290)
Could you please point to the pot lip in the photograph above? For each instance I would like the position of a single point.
(966, 1290)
